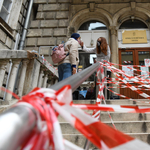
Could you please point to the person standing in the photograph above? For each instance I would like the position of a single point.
(68, 66)
(101, 50)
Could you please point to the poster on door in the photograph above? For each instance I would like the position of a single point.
(144, 72)
(127, 70)
(147, 62)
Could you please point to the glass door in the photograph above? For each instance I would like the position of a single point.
(137, 56)
(144, 62)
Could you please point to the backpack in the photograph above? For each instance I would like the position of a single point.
(59, 53)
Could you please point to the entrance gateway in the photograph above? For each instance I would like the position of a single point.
(133, 47)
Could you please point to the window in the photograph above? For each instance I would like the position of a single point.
(133, 24)
(5, 7)
(93, 25)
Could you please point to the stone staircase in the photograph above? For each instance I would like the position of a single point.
(134, 124)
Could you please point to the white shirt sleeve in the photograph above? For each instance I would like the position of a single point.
(108, 52)
(89, 50)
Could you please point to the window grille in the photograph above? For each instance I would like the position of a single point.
(5, 8)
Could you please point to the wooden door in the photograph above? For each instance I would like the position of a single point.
(134, 56)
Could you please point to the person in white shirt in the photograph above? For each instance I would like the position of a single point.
(102, 52)
(102, 49)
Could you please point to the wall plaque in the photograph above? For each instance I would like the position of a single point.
(134, 36)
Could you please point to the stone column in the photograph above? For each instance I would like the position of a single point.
(40, 78)
(12, 78)
(45, 80)
(3, 66)
(114, 44)
(22, 77)
(56, 81)
(32, 75)
(114, 49)
(51, 82)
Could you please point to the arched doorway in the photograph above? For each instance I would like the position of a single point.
(134, 49)
(90, 31)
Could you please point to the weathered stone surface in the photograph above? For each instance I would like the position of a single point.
(34, 33)
(3, 36)
(7, 54)
(45, 50)
(32, 48)
(63, 23)
(49, 23)
(60, 32)
(20, 18)
(35, 24)
(2, 46)
(51, 7)
(31, 42)
(62, 15)
(14, 14)
(64, 7)
(50, 15)
(63, 1)
(47, 32)
(46, 41)
(8, 42)
(60, 39)
(44, 1)
(32, 75)
(40, 15)
(40, 7)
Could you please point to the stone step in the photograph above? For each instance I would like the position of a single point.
(79, 139)
(119, 117)
(123, 126)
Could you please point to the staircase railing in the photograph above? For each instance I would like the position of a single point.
(17, 123)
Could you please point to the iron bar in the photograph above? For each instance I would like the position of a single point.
(17, 123)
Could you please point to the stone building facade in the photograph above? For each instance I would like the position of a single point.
(57, 19)
(12, 22)
(53, 21)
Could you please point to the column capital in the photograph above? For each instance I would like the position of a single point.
(16, 61)
(4, 62)
(113, 30)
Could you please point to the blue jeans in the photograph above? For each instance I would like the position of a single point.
(64, 71)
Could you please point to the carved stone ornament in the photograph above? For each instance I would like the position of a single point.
(92, 7)
(113, 30)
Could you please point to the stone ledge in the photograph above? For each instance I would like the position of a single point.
(8, 54)
(6, 105)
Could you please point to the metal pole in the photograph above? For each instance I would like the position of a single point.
(76, 80)
(16, 125)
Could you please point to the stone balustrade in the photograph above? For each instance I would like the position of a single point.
(21, 71)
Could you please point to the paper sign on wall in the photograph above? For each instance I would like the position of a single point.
(147, 62)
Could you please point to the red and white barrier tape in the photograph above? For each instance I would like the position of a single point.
(50, 103)
(114, 70)
(103, 136)
(101, 79)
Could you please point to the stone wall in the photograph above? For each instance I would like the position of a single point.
(49, 27)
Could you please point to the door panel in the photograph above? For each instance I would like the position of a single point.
(134, 57)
